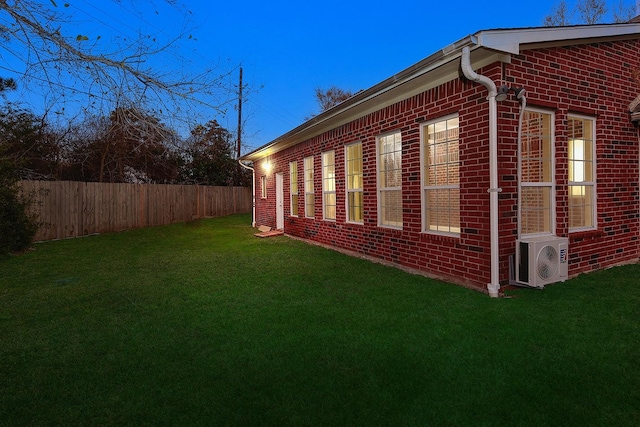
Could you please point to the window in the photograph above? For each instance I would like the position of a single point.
(309, 202)
(329, 185)
(293, 188)
(355, 209)
(582, 194)
(390, 180)
(441, 176)
(537, 206)
(263, 186)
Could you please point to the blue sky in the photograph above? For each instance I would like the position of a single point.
(288, 48)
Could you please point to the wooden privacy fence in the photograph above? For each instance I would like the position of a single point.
(73, 209)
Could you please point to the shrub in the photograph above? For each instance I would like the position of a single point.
(17, 226)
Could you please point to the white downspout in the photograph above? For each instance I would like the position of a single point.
(253, 192)
(494, 286)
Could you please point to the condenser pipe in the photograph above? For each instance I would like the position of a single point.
(494, 286)
(253, 192)
(523, 105)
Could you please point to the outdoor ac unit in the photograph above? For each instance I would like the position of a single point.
(542, 260)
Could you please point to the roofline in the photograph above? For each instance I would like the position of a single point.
(490, 46)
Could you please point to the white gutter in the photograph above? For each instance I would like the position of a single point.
(253, 192)
(494, 286)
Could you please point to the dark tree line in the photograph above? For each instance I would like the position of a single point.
(129, 145)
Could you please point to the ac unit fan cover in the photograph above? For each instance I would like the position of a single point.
(547, 262)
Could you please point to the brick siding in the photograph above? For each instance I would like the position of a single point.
(594, 80)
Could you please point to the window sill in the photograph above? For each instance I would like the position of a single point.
(431, 235)
(390, 227)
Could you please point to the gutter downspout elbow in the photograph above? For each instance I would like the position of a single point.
(494, 286)
(470, 74)
(253, 192)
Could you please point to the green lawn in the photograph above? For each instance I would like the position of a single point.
(204, 324)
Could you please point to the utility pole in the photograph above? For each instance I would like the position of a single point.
(239, 116)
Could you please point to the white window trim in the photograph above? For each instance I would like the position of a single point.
(263, 186)
(380, 189)
(291, 192)
(310, 194)
(324, 180)
(348, 191)
(423, 178)
(551, 185)
(593, 184)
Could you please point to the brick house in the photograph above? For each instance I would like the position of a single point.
(509, 156)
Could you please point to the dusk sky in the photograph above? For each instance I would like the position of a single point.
(288, 48)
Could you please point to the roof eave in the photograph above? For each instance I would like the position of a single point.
(355, 103)
(489, 46)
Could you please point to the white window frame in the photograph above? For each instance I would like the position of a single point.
(544, 184)
(351, 190)
(294, 188)
(589, 184)
(309, 190)
(427, 187)
(329, 185)
(384, 189)
(263, 186)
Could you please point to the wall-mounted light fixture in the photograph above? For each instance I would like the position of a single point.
(502, 93)
(267, 165)
(519, 92)
(504, 90)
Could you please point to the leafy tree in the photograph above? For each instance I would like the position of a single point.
(210, 156)
(6, 84)
(83, 144)
(17, 225)
(130, 145)
(137, 148)
(27, 144)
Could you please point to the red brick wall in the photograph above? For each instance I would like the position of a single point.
(594, 80)
(604, 89)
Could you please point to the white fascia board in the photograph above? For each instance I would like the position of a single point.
(513, 40)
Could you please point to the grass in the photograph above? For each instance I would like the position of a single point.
(204, 324)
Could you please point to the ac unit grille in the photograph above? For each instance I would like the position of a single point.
(547, 263)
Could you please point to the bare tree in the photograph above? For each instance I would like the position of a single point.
(624, 12)
(560, 16)
(589, 12)
(101, 71)
(331, 97)
(328, 98)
